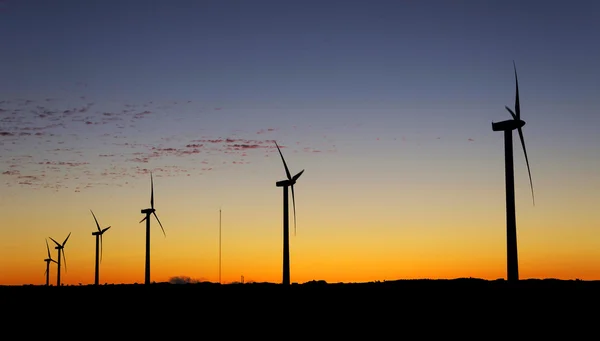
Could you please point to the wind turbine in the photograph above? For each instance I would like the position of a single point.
(286, 238)
(98, 235)
(60, 248)
(148, 212)
(511, 225)
(48, 260)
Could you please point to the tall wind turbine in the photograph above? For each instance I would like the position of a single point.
(290, 182)
(511, 225)
(148, 212)
(48, 260)
(60, 248)
(98, 235)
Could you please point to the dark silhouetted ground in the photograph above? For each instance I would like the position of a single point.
(315, 309)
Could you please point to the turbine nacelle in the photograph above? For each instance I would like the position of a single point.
(99, 233)
(507, 125)
(148, 211)
(284, 183)
(290, 182)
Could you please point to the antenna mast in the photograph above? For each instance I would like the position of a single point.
(219, 245)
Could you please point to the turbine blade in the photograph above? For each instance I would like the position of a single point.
(143, 219)
(151, 191)
(54, 261)
(104, 230)
(161, 227)
(46, 271)
(55, 242)
(48, 248)
(511, 112)
(64, 259)
(297, 175)
(63, 244)
(527, 162)
(294, 204)
(517, 106)
(287, 171)
(96, 220)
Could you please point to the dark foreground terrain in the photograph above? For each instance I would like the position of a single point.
(392, 305)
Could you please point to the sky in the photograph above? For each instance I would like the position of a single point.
(386, 105)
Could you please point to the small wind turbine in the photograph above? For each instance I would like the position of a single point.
(98, 235)
(60, 248)
(286, 238)
(48, 260)
(511, 225)
(148, 212)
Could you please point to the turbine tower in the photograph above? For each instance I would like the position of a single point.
(290, 182)
(148, 212)
(60, 248)
(511, 225)
(98, 235)
(48, 260)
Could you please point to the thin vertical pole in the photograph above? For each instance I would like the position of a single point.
(219, 246)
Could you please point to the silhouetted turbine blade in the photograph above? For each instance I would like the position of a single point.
(517, 105)
(294, 204)
(64, 259)
(143, 219)
(527, 162)
(106, 229)
(54, 261)
(63, 244)
(46, 271)
(151, 191)
(297, 176)
(48, 248)
(511, 112)
(55, 242)
(287, 171)
(96, 220)
(161, 227)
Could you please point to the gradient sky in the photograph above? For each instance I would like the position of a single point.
(387, 105)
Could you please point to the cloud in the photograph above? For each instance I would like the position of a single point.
(78, 144)
(264, 131)
(62, 163)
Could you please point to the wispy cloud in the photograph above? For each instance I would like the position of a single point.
(80, 144)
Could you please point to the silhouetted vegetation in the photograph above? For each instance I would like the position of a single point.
(190, 285)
